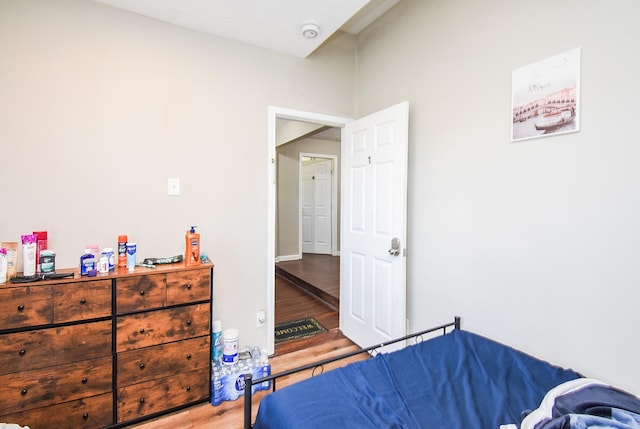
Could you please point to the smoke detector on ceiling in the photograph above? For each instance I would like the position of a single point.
(310, 30)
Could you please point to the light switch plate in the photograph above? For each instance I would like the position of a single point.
(173, 186)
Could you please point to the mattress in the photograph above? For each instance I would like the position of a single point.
(457, 380)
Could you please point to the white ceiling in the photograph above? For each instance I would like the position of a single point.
(271, 24)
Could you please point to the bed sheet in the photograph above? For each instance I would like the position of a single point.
(457, 380)
(585, 403)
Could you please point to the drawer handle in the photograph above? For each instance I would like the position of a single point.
(21, 307)
(188, 388)
(188, 286)
(22, 352)
(188, 322)
(141, 365)
(24, 392)
(83, 301)
(142, 330)
(141, 293)
(142, 400)
(188, 355)
(85, 416)
(84, 380)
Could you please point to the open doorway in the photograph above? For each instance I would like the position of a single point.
(374, 189)
(307, 197)
(278, 249)
(307, 230)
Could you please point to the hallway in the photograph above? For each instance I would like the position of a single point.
(309, 287)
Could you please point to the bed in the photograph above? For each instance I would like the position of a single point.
(454, 380)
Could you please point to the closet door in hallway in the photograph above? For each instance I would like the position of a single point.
(316, 205)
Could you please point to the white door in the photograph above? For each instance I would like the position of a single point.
(373, 225)
(316, 206)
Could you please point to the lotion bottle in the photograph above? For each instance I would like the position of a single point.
(192, 247)
(29, 254)
(3, 265)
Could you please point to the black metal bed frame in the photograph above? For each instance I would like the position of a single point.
(249, 382)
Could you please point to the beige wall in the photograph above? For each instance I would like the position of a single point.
(98, 107)
(288, 192)
(533, 243)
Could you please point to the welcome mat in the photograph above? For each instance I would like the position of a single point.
(298, 329)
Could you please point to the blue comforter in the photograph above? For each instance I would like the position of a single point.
(458, 380)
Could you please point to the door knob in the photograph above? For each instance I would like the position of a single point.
(395, 247)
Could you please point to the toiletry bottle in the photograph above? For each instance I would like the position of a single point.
(29, 244)
(107, 252)
(122, 250)
(95, 251)
(3, 265)
(12, 257)
(132, 250)
(216, 349)
(192, 247)
(87, 262)
(41, 244)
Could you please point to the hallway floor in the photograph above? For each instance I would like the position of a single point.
(318, 274)
(308, 288)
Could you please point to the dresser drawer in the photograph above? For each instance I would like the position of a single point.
(81, 301)
(188, 286)
(23, 351)
(163, 394)
(21, 307)
(141, 293)
(137, 366)
(161, 326)
(86, 413)
(47, 386)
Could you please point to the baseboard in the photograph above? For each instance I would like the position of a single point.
(288, 258)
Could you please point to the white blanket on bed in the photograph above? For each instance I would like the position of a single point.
(603, 407)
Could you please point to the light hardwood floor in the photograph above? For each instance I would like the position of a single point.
(230, 414)
(292, 303)
(318, 274)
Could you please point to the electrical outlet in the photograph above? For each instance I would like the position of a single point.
(261, 318)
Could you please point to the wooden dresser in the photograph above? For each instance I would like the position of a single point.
(105, 351)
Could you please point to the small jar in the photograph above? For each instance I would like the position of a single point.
(47, 262)
(108, 253)
(103, 265)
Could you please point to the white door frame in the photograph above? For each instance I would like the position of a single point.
(273, 113)
(334, 199)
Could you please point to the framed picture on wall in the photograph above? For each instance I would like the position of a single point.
(545, 97)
